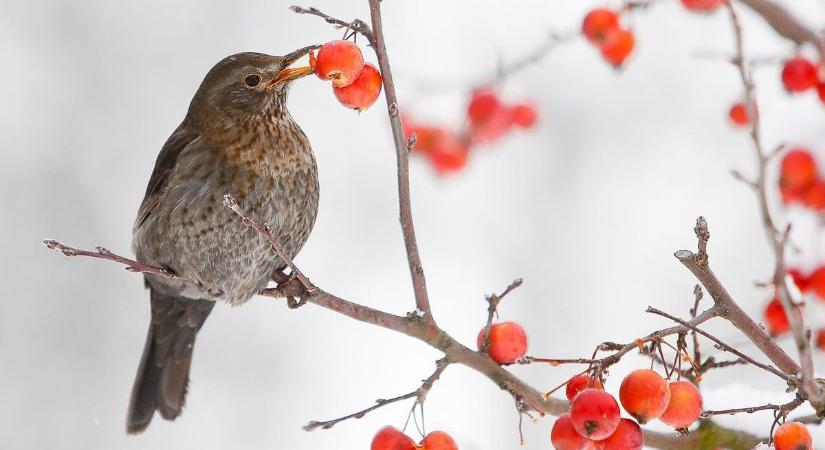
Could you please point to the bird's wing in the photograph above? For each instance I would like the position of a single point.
(164, 165)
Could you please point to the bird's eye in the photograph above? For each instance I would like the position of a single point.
(252, 80)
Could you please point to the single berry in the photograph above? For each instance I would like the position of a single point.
(738, 115)
(361, 93)
(508, 342)
(448, 152)
(792, 436)
(524, 115)
(775, 317)
(617, 46)
(339, 61)
(484, 105)
(813, 196)
(820, 90)
(702, 6)
(817, 282)
(564, 437)
(438, 440)
(581, 382)
(799, 74)
(595, 414)
(644, 395)
(389, 438)
(798, 169)
(598, 23)
(685, 405)
(628, 436)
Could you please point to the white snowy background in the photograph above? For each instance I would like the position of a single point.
(588, 208)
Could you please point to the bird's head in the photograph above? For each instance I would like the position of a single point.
(246, 85)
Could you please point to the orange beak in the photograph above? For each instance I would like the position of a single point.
(289, 75)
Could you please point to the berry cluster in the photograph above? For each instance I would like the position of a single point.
(800, 74)
(390, 438)
(356, 84)
(488, 120)
(603, 29)
(594, 420)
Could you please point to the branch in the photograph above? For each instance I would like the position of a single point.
(782, 409)
(776, 239)
(356, 25)
(102, 253)
(731, 311)
(785, 24)
(422, 300)
(719, 342)
(420, 394)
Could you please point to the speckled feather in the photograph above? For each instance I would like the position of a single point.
(234, 140)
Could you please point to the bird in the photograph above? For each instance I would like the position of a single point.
(237, 138)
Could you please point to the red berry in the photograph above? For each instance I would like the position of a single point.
(484, 105)
(628, 436)
(644, 395)
(816, 282)
(389, 438)
(581, 382)
(739, 114)
(813, 196)
(820, 339)
(799, 74)
(438, 440)
(798, 169)
(792, 436)
(564, 437)
(339, 61)
(618, 46)
(702, 6)
(775, 317)
(508, 342)
(448, 153)
(361, 93)
(595, 414)
(524, 115)
(820, 90)
(598, 23)
(802, 282)
(791, 195)
(685, 405)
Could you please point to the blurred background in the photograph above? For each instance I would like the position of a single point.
(588, 208)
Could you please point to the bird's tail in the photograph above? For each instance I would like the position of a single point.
(163, 373)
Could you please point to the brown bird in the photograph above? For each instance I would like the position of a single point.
(237, 138)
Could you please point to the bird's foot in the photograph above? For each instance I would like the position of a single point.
(289, 286)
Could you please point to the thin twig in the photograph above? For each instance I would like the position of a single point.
(720, 343)
(356, 25)
(492, 309)
(419, 394)
(784, 409)
(274, 241)
(102, 253)
(776, 239)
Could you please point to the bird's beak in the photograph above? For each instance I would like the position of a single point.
(292, 73)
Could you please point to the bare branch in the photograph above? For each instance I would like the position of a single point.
(356, 25)
(720, 343)
(785, 24)
(776, 239)
(419, 394)
(782, 409)
(102, 253)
